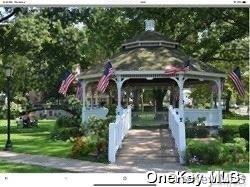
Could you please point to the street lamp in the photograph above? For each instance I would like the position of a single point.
(8, 73)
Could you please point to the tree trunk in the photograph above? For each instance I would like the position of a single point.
(228, 98)
(142, 101)
(136, 99)
(159, 95)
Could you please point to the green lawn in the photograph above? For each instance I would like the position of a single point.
(6, 167)
(234, 122)
(35, 140)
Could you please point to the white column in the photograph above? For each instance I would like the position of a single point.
(181, 102)
(84, 95)
(119, 90)
(181, 126)
(218, 82)
(92, 97)
(119, 82)
(212, 100)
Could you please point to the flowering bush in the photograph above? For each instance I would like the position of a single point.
(83, 146)
(95, 141)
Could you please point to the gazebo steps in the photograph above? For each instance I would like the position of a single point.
(151, 146)
(139, 146)
(147, 154)
(135, 162)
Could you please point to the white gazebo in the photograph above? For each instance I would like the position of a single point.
(141, 62)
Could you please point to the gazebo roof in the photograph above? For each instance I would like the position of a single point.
(151, 51)
(149, 39)
(143, 59)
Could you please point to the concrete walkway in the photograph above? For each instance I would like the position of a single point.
(142, 150)
(73, 165)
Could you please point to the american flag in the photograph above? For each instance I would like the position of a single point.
(171, 70)
(104, 80)
(67, 80)
(236, 78)
(79, 91)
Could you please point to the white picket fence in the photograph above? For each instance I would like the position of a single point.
(117, 132)
(213, 117)
(178, 132)
(99, 113)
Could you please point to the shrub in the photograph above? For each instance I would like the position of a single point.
(227, 134)
(201, 121)
(67, 127)
(96, 141)
(196, 129)
(236, 149)
(202, 132)
(100, 128)
(83, 146)
(112, 110)
(216, 152)
(244, 131)
(190, 123)
(204, 153)
(190, 132)
(197, 132)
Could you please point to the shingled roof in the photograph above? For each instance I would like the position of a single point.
(151, 50)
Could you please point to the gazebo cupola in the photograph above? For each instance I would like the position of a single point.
(149, 39)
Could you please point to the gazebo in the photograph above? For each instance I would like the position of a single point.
(141, 62)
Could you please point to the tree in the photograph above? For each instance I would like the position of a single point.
(40, 51)
(50, 40)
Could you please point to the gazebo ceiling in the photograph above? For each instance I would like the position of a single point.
(164, 82)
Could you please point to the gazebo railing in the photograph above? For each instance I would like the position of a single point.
(213, 117)
(178, 132)
(117, 132)
(99, 113)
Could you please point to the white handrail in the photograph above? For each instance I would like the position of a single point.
(117, 132)
(177, 128)
(212, 116)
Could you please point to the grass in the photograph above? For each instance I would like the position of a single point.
(241, 167)
(234, 122)
(6, 167)
(35, 140)
(147, 119)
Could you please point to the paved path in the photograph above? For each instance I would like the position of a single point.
(142, 150)
(71, 165)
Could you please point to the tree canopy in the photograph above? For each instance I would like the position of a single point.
(42, 43)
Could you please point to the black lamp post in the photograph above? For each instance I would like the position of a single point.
(8, 74)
